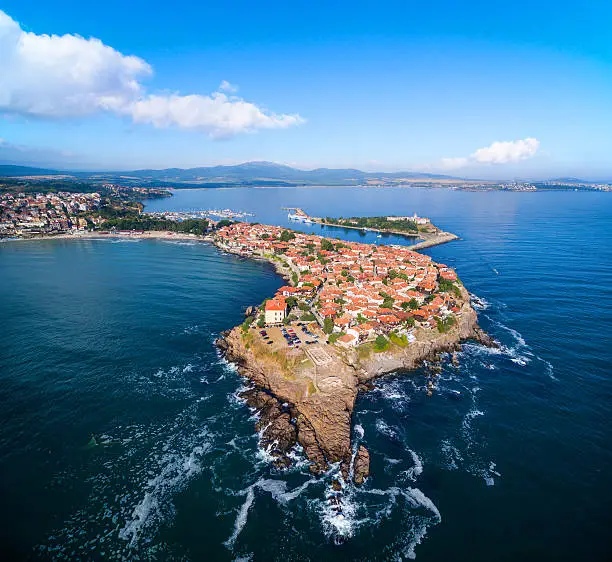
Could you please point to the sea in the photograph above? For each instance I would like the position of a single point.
(123, 436)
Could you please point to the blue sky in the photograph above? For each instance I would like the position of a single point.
(471, 89)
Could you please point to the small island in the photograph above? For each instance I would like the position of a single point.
(350, 312)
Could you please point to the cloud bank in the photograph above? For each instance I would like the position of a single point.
(52, 76)
(497, 153)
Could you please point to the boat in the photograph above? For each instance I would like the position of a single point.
(299, 217)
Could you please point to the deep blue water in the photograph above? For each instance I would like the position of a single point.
(115, 338)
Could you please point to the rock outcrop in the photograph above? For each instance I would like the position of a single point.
(313, 406)
(361, 465)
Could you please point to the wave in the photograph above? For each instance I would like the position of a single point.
(386, 430)
(417, 469)
(276, 488)
(395, 392)
(133, 492)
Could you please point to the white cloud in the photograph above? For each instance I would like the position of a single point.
(504, 152)
(497, 153)
(226, 86)
(52, 76)
(217, 114)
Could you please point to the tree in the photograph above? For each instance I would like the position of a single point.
(223, 223)
(295, 278)
(326, 245)
(381, 343)
(291, 302)
(413, 304)
(328, 325)
(286, 236)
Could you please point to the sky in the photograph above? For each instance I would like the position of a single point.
(472, 89)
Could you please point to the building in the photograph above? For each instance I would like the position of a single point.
(275, 311)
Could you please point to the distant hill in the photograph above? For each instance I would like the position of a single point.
(249, 173)
(254, 171)
(10, 170)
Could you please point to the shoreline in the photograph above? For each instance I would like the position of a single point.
(302, 401)
(147, 235)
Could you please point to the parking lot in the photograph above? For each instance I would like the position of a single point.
(297, 335)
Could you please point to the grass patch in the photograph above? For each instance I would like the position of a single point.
(311, 388)
(446, 324)
(399, 340)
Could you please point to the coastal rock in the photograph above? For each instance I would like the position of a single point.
(313, 405)
(361, 465)
(250, 311)
(278, 433)
(485, 339)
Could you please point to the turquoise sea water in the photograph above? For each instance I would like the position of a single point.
(508, 460)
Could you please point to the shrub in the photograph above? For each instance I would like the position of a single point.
(446, 324)
(381, 343)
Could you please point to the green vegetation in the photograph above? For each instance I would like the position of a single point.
(308, 317)
(377, 223)
(246, 324)
(143, 222)
(388, 301)
(291, 302)
(326, 245)
(223, 223)
(412, 304)
(333, 338)
(328, 325)
(286, 236)
(381, 343)
(399, 340)
(446, 324)
(295, 278)
(448, 286)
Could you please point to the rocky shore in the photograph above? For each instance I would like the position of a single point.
(312, 406)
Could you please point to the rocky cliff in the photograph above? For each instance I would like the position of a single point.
(313, 406)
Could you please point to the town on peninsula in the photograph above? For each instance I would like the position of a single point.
(350, 312)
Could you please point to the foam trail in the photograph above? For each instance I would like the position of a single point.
(242, 516)
(416, 470)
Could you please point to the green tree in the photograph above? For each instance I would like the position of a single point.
(286, 236)
(328, 325)
(381, 343)
(326, 245)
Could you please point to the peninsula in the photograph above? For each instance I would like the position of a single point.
(419, 228)
(349, 313)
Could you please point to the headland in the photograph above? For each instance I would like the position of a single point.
(350, 312)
